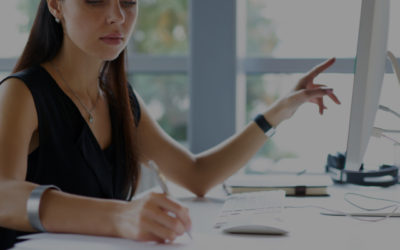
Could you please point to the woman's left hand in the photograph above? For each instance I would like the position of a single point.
(306, 90)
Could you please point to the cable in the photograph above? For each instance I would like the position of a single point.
(358, 217)
(382, 130)
(396, 142)
(379, 132)
(368, 197)
(352, 216)
(396, 69)
(389, 110)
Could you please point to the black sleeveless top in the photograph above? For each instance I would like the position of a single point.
(69, 155)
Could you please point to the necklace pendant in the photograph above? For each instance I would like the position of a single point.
(91, 119)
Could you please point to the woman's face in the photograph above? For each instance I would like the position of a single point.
(100, 28)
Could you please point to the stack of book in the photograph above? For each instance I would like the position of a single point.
(293, 185)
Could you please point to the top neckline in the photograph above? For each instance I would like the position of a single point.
(69, 100)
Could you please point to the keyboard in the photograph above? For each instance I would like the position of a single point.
(245, 206)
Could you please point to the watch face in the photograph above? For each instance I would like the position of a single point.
(264, 125)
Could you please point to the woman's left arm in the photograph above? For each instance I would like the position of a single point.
(199, 173)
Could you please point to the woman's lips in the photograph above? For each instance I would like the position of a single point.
(112, 39)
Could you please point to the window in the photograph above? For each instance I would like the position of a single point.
(306, 29)
(292, 37)
(160, 44)
(307, 135)
(167, 98)
(16, 18)
(282, 43)
(162, 28)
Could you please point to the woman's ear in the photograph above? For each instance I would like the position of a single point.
(55, 8)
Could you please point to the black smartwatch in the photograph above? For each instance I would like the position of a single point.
(264, 125)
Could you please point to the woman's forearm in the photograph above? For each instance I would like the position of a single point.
(220, 162)
(59, 212)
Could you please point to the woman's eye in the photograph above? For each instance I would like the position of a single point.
(94, 1)
(128, 3)
(125, 3)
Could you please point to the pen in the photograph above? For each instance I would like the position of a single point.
(163, 183)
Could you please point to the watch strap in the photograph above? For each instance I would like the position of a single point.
(264, 125)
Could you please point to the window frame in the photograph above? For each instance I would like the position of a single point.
(148, 64)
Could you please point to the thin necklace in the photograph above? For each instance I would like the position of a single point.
(89, 111)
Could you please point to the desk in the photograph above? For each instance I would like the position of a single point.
(309, 229)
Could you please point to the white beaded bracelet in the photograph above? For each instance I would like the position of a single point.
(33, 206)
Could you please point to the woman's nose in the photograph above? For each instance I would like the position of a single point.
(115, 14)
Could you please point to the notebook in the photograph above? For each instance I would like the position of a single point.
(293, 185)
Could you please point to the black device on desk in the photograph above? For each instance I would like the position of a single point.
(385, 176)
(368, 76)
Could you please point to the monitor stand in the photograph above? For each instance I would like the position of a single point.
(386, 175)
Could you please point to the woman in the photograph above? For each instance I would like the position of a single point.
(68, 118)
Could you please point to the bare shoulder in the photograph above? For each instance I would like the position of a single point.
(16, 103)
(14, 84)
(18, 122)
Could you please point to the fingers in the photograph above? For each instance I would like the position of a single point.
(334, 98)
(309, 94)
(162, 219)
(307, 80)
(172, 223)
(321, 106)
(315, 86)
(181, 213)
(316, 96)
(158, 231)
(320, 68)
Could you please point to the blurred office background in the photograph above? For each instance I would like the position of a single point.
(265, 47)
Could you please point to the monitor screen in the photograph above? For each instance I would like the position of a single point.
(368, 76)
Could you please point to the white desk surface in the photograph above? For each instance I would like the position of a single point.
(308, 228)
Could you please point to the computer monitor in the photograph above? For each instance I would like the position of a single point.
(368, 77)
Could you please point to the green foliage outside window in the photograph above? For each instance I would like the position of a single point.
(29, 7)
(162, 27)
(259, 94)
(167, 98)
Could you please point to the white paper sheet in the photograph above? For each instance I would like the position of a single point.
(48, 241)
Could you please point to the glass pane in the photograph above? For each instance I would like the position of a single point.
(16, 18)
(394, 34)
(167, 99)
(4, 75)
(162, 27)
(307, 136)
(307, 28)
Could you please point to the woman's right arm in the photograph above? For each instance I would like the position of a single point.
(144, 219)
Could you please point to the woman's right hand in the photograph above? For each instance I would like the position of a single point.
(306, 90)
(154, 217)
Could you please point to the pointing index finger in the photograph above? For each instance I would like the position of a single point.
(321, 67)
(334, 98)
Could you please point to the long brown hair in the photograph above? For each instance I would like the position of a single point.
(44, 43)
